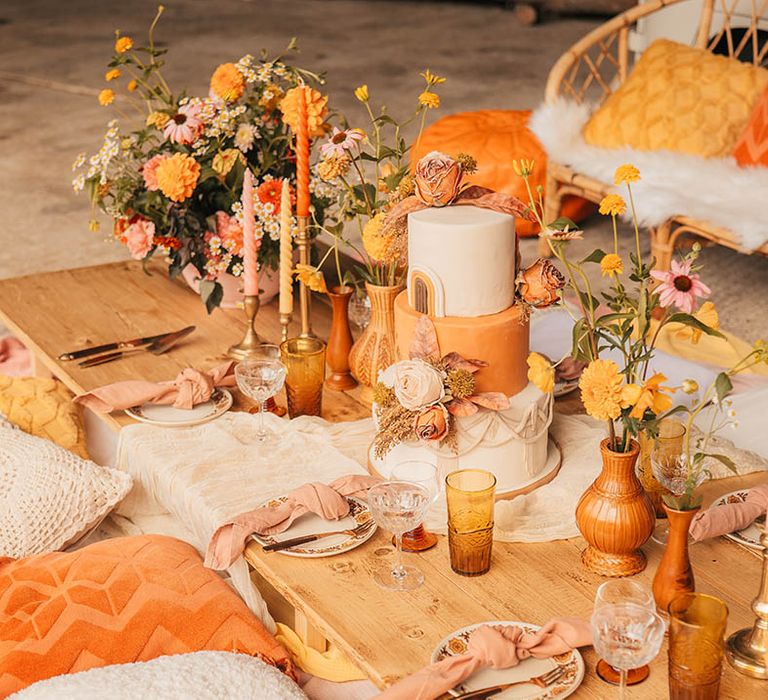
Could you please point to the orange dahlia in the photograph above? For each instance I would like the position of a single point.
(602, 390)
(227, 83)
(177, 176)
(317, 110)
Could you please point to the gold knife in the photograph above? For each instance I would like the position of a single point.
(157, 348)
(118, 345)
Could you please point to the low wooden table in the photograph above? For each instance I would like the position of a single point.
(386, 634)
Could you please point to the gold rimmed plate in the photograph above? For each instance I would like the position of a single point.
(572, 662)
(750, 535)
(170, 417)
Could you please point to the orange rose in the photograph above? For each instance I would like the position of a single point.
(437, 179)
(432, 423)
(540, 283)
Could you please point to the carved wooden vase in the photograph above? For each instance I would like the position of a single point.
(615, 516)
(340, 341)
(375, 349)
(674, 574)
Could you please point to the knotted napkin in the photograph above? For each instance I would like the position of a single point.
(326, 500)
(191, 387)
(721, 520)
(494, 646)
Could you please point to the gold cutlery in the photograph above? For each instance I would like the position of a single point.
(118, 345)
(357, 532)
(156, 348)
(542, 681)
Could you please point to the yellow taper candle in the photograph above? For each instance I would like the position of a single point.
(286, 251)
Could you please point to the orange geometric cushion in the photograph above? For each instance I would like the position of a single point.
(494, 138)
(752, 146)
(118, 601)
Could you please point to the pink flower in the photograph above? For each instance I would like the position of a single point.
(139, 237)
(680, 286)
(340, 141)
(149, 171)
(185, 126)
(230, 232)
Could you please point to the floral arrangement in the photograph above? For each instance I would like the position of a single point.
(622, 321)
(418, 398)
(173, 184)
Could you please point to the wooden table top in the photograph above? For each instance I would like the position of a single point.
(387, 634)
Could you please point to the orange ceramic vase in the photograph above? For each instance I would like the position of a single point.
(615, 516)
(674, 574)
(340, 341)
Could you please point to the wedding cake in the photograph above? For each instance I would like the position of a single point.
(460, 397)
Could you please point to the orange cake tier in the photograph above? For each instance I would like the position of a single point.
(500, 339)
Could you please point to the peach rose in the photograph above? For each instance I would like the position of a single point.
(540, 283)
(417, 384)
(139, 237)
(437, 179)
(432, 423)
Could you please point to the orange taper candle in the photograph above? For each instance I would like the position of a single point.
(302, 157)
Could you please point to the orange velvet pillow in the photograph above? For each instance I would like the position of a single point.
(494, 138)
(118, 601)
(752, 146)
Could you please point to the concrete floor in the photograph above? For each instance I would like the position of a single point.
(53, 55)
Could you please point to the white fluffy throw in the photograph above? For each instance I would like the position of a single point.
(716, 190)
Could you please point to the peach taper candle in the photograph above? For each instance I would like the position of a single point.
(286, 258)
(250, 249)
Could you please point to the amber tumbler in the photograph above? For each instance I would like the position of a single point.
(304, 359)
(666, 447)
(696, 630)
(470, 497)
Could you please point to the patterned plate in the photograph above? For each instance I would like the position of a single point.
(310, 523)
(456, 643)
(170, 417)
(750, 535)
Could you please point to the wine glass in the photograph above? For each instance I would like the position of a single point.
(260, 379)
(426, 475)
(616, 592)
(626, 635)
(398, 506)
(267, 351)
(360, 309)
(672, 473)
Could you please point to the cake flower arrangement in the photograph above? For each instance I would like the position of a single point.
(173, 184)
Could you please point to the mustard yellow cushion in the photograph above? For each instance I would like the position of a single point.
(43, 407)
(680, 99)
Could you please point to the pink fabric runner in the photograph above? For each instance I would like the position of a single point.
(497, 647)
(191, 387)
(721, 520)
(15, 359)
(326, 500)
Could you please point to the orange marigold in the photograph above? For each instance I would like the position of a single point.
(177, 176)
(270, 192)
(227, 83)
(317, 110)
(123, 44)
(602, 390)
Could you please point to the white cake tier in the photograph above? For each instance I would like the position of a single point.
(461, 261)
(512, 444)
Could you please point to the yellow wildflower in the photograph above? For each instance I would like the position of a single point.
(132, 85)
(613, 204)
(158, 119)
(602, 390)
(386, 170)
(317, 110)
(225, 160)
(361, 93)
(111, 75)
(708, 315)
(611, 264)
(106, 97)
(123, 44)
(93, 225)
(311, 277)
(625, 174)
(652, 395)
(429, 99)
(431, 79)
(541, 372)
(227, 83)
(523, 168)
(333, 166)
(177, 176)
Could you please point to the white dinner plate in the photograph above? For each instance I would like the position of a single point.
(455, 644)
(310, 523)
(750, 535)
(170, 417)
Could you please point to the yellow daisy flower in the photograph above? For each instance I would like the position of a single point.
(625, 174)
(111, 75)
(132, 85)
(431, 79)
(311, 277)
(429, 99)
(541, 372)
(106, 97)
(611, 264)
(613, 204)
(708, 315)
(652, 395)
(361, 93)
(123, 44)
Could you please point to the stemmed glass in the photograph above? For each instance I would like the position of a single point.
(360, 309)
(260, 379)
(426, 475)
(398, 506)
(672, 473)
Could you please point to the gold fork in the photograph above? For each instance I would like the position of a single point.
(542, 681)
(359, 531)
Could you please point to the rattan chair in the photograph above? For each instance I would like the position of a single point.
(595, 67)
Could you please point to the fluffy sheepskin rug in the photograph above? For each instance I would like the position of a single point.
(716, 190)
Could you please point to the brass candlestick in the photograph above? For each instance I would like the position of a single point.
(302, 241)
(249, 344)
(747, 649)
(285, 321)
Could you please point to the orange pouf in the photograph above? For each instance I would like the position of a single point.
(496, 137)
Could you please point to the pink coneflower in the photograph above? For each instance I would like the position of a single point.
(680, 286)
(185, 126)
(342, 140)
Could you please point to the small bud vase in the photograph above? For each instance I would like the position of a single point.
(340, 341)
(674, 574)
(615, 516)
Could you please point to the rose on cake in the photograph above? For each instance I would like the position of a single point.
(539, 285)
(437, 179)
(432, 423)
(417, 384)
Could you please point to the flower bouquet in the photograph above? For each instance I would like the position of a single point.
(173, 183)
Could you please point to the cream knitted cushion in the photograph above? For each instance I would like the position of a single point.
(50, 497)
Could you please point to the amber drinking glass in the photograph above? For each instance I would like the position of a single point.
(304, 359)
(663, 458)
(470, 497)
(696, 630)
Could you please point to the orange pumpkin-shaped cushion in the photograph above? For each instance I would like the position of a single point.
(496, 137)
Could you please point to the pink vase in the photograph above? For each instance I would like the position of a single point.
(269, 283)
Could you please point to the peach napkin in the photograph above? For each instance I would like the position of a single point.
(15, 359)
(191, 387)
(720, 520)
(494, 646)
(326, 500)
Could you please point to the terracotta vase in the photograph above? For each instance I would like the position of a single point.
(375, 349)
(340, 341)
(674, 574)
(615, 516)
